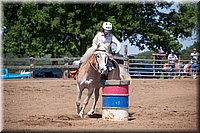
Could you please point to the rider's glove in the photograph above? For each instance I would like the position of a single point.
(117, 51)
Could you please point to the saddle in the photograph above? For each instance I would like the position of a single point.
(110, 66)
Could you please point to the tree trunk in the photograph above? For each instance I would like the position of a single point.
(83, 46)
(54, 56)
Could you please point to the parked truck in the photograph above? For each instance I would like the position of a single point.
(6, 75)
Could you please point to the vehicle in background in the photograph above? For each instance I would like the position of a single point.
(6, 75)
(47, 73)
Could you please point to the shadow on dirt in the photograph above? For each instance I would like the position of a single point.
(95, 115)
(131, 116)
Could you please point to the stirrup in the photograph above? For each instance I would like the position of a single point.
(76, 74)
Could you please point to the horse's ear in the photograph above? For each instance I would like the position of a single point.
(98, 45)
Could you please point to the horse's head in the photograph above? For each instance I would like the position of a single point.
(101, 59)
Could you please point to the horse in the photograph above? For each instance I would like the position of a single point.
(90, 75)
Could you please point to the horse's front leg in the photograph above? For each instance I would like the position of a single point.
(96, 92)
(78, 99)
(90, 91)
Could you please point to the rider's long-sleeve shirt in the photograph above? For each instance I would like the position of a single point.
(106, 41)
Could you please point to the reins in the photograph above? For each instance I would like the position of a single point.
(93, 66)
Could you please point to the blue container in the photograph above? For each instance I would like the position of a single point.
(115, 101)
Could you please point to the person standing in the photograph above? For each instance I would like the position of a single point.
(172, 58)
(194, 62)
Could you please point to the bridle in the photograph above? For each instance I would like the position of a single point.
(96, 68)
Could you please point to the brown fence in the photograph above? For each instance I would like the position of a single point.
(28, 64)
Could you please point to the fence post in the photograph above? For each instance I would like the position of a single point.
(126, 60)
(31, 59)
(65, 73)
(179, 67)
(154, 59)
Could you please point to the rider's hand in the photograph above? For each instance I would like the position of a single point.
(117, 51)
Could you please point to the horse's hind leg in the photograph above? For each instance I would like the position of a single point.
(96, 92)
(81, 113)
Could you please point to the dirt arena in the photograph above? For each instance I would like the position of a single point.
(49, 105)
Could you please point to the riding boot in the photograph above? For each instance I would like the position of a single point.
(110, 66)
(113, 63)
(106, 74)
(79, 65)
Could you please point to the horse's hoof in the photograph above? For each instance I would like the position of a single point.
(81, 115)
(90, 113)
(78, 110)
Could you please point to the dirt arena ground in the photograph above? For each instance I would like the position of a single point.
(49, 105)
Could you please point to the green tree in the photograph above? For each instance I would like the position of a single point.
(36, 29)
(185, 53)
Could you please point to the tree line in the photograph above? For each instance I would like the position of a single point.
(67, 29)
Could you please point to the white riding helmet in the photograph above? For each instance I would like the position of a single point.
(107, 26)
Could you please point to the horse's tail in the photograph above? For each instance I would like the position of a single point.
(124, 75)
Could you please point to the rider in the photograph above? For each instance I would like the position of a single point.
(102, 39)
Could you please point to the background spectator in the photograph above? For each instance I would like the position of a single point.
(172, 58)
(194, 62)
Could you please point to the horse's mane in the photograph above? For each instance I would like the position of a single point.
(90, 60)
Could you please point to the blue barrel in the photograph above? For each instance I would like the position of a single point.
(115, 101)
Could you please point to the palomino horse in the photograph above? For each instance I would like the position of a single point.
(90, 75)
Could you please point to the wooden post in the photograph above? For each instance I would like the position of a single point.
(65, 73)
(126, 61)
(31, 59)
(154, 58)
(179, 71)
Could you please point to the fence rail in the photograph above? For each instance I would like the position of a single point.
(66, 63)
(137, 68)
(150, 68)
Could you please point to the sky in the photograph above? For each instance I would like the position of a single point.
(134, 50)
